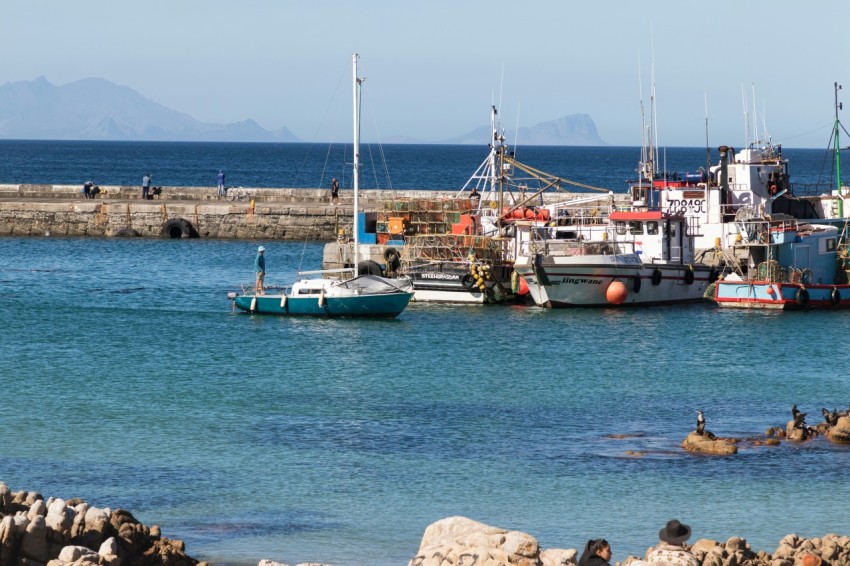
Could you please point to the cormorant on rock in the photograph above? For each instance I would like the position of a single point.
(800, 420)
(831, 418)
(700, 423)
(794, 412)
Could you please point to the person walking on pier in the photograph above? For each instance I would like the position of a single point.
(222, 192)
(335, 191)
(146, 186)
(260, 270)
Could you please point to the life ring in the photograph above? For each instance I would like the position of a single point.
(689, 276)
(801, 297)
(468, 281)
(393, 259)
(178, 228)
(369, 267)
(835, 297)
(636, 284)
(656, 277)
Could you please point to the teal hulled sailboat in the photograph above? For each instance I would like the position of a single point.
(361, 296)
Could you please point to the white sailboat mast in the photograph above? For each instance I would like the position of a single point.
(356, 166)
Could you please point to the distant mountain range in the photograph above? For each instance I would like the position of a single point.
(97, 109)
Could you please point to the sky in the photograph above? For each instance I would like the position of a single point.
(435, 67)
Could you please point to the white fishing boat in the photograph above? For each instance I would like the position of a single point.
(359, 296)
(626, 258)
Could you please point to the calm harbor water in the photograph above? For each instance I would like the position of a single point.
(129, 382)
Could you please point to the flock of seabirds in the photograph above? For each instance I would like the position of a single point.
(799, 417)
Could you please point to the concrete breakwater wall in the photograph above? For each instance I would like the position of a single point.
(268, 214)
(186, 212)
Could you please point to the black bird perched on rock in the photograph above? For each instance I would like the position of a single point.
(831, 418)
(700, 423)
(800, 420)
(794, 411)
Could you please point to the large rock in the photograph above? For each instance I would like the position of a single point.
(458, 540)
(706, 445)
(840, 433)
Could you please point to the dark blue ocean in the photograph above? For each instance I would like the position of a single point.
(129, 382)
(301, 165)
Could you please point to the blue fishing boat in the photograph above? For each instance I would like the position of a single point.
(792, 266)
(789, 263)
(328, 295)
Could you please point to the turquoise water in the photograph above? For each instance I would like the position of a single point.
(129, 382)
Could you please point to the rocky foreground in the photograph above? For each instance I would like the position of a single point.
(55, 532)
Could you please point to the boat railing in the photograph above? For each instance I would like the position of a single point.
(577, 247)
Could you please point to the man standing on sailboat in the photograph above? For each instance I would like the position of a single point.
(260, 270)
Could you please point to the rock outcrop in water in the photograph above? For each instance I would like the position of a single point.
(458, 541)
(708, 444)
(54, 532)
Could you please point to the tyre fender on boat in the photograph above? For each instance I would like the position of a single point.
(835, 297)
(393, 259)
(713, 275)
(656, 277)
(801, 297)
(468, 281)
(689, 275)
(369, 267)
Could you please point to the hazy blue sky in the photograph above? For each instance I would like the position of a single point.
(434, 67)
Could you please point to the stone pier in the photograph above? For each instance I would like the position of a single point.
(247, 213)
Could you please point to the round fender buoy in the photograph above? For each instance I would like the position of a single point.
(523, 286)
(770, 290)
(393, 259)
(689, 276)
(656, 277)
(616, 293)
(801, 297)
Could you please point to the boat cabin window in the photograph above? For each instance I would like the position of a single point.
(620, 226)
(830, 244)
(309, 291)
(670, 228)
(635, 227)
(565, 235)
(652, 227)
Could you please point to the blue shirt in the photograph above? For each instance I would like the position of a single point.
(260, 263)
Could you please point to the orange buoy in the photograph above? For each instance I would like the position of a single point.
(616, 293)
(523, 286)
(770, 290)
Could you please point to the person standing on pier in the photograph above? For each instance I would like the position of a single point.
(87, 189)
(260, 270)
(222, 192)
(335, 191)
(146, 186)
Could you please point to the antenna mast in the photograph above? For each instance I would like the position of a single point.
(838, 106)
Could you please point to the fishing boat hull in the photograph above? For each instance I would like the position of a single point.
(388, 305)
(608, 280)
(451, 282)
(780, 296)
